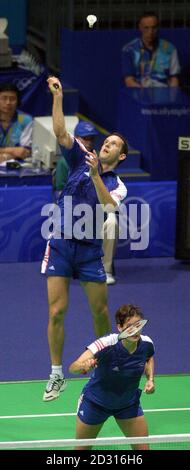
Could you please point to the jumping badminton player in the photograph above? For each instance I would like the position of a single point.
(113, 389)
(90, 184)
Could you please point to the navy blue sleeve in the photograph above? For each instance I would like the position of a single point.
(75, 156)
(128, 67)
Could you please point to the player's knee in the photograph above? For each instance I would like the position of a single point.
(56, 312)
(100, 309)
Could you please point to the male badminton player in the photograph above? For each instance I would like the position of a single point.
(91, 181)
(113, 389)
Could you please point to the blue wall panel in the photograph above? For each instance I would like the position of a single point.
(21, 220)
(91, 61)
(15, 12)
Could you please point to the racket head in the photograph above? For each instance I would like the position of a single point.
(132, 329)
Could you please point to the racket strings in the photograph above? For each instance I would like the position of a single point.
(132, 330)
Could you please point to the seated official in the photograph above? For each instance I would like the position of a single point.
(149, 61)
(15, 126)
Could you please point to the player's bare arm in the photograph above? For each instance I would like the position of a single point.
(59, 126)
(131, 82)
(84, 363)
(173, 81)
(149, 372)
(13, 152)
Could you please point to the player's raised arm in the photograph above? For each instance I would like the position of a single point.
(59, 127)
(149, 372)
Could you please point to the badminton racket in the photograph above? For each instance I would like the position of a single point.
(132, 330)
(128, 332)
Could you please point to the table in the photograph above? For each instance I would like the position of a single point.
(25, 177)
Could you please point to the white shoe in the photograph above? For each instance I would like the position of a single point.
(55, 385)
(110, 280)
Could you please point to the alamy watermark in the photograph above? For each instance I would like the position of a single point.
(131, 220)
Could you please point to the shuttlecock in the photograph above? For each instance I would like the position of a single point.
(91, 20)
(3, 24)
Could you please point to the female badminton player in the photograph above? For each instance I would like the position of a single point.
(117, 361)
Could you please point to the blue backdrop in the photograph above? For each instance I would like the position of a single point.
(35, 97)
(20, 228)
(91, 61)
(156, 120)
(15, 12)
(21, 220)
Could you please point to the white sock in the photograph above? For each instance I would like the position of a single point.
(57, 370)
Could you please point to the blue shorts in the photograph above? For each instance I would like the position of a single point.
(91, 413)
(70, 258)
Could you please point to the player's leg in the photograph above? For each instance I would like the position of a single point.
(86, 431)
(98, 302)
(92, 276)
(58, 288)
(90, 419)
(134, 427)
(110, 239)
(57, 266)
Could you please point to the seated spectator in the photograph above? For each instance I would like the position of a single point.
(149, 61)
(86, 133)
(15, 126)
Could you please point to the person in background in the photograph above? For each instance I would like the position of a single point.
(15, 126)
(149, 61)
(86, 133)
(113, 389)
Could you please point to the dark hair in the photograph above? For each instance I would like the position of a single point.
(127, 311)
(147, 14)
(124, 147)
(10, 87)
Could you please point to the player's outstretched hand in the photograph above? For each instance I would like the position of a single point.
(55, 86)
(149, 387)
(92, 162)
